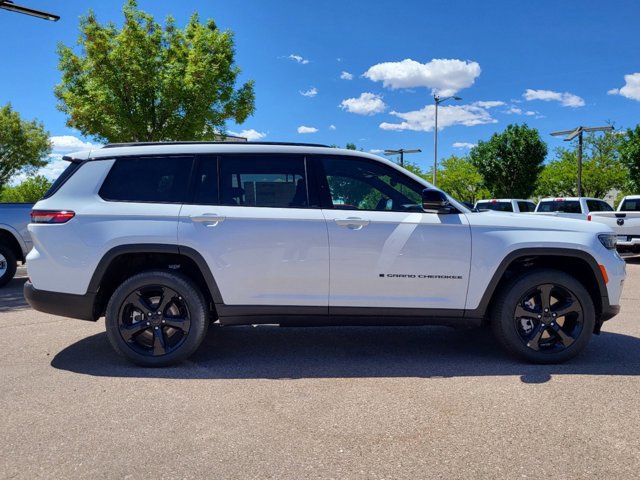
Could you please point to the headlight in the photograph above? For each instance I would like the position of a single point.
(609, 240)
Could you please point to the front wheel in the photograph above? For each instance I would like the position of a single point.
(544, 316)
(156, 318)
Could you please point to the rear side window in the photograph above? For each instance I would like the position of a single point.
(526, 206)
(598, 206)
(569, 206)
(62, 178)
(148, 179)
(630, 206)
(263, 181)
(497, 206)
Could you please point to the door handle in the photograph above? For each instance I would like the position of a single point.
(209, 219)
(353, 223)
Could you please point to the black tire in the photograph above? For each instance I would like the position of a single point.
(156, 318)
(543, 316)
(8, 264)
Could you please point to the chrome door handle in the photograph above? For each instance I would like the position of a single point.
(353, 223)
(209, 219)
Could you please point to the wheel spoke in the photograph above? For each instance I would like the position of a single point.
(523, 312)
(534, 341)
(568, 307)
(159, 343)
(564, 338)
(176, 322)
(545, 296)
(139, 302)
(128, 332)
(167, 297)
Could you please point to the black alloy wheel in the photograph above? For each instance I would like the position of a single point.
(543, 316)
(156, 318)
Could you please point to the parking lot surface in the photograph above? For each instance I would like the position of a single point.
(344, 403)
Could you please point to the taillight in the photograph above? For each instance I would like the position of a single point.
(589, 217)
(51, 216)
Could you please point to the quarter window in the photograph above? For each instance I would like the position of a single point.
(148, 179)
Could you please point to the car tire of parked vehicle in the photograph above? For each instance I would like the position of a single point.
(543, 316)
(8, 265)
(157, 318)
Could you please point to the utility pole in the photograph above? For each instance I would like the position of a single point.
(577, 132)
(401, 152)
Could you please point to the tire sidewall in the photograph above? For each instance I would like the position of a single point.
(190, 294)
(12, 265)
(505, 328)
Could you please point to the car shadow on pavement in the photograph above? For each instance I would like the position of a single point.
(11, 296)
(293, 353)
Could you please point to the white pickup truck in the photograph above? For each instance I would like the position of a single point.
(625, 221)
(15, 241)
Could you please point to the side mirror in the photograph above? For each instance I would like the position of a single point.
(434, 201)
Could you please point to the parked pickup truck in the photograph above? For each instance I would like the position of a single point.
(572, 207)
(15, 241)
(515, 205)
(625, 223)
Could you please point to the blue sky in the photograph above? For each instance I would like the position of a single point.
(364, 72)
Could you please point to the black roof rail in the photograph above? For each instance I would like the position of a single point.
(147, 144)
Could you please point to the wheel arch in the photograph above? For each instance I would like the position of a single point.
(8, 238)
(577, 263)
(124, 261)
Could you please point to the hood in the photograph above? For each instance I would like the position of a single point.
(530, 221)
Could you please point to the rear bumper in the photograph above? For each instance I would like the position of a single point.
(62, 304)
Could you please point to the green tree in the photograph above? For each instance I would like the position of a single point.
(602, 170)
(351, 146)
(629, 149)
(146, 83)
(29, 191)
(458, 177)
(511, 161)
(23, 145)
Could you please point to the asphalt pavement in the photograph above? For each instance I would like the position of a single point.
(293, 403)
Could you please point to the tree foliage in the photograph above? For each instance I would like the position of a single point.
(511, 161)
(602, 170)
(29, 191)
(629, 148)
(459, 178)
(23, 145)
(146, 83)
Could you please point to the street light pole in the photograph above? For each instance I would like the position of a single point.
(438, 100)
(9, 5)
(577, 132)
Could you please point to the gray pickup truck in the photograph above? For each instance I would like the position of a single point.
(15, 241)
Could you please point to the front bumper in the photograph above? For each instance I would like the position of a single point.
(62, 304)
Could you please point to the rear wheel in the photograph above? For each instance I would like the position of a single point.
(8, 264)
(156, 318)
(544, 316)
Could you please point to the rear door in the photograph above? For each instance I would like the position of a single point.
(385, 251)
(251, 219)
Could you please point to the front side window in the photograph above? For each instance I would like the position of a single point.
(598, 206)
(148, 179)
(358, 184)
(263, 181)
(526, 206)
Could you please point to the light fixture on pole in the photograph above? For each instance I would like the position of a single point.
(401, 152)
(577, 132)
(9, 5)
(438, 100)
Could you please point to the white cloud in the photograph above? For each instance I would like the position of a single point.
(250, 135)
(518, 111)
(346, 76)
(376, 150)
(423, 120)
(488, 104)
(332, 127)
(312, 92)
(442, 76)
(298, 58)
(631, 88)
(464, 145)
(366, 104)
(303, 129)
(69, 143)
(566, 99)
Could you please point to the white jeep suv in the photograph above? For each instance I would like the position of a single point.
(163, 239)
